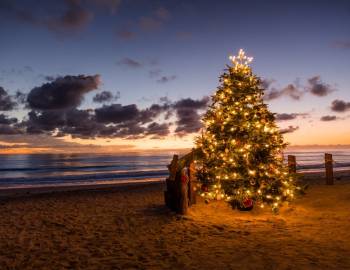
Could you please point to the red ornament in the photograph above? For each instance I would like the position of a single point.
(247, 203)
(204, 188)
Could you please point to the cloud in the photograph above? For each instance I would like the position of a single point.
(62, 93)
(5, 120)
(289, 116)
(340, 105)
(105, 96)
(318, 88)
(67, 16)
(294, 91)
(20, 97)
(328, 118)
(188, 118)
(126, 61)
(290, 90)
(160, 130)
(116, 113)
(45, 121)
(75, 17)
(266, 83)
(82, 124)
(53, 110)
(6, 102)
(165, 79)
(342, 44)
(9, 130)
(289, 129)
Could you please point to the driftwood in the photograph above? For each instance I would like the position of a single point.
(180, 193)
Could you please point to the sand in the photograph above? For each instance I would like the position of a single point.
(130, 228)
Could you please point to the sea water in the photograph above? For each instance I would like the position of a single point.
(82, 169)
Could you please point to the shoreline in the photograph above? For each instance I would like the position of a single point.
(14, 192)
(310, 178)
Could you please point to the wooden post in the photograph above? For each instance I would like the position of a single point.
(192, 183)
(171, 194)
(292, 164)
(183, 206)
(172, 167)
(329, 168)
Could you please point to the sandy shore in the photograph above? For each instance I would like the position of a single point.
(128, 227)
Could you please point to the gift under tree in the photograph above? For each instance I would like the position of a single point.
(240, 146)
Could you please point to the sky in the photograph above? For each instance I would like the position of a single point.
(135, 75)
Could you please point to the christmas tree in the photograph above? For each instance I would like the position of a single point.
(240, 149)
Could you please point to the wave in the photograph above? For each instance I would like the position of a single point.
(82, 178)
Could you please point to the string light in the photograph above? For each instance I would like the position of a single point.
(241, 143)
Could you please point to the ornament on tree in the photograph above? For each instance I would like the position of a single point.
(240, 146)
(246, 205)
(204, 188)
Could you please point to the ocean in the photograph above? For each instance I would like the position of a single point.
(83, 169)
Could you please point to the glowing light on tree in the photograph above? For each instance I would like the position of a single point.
(240, 146)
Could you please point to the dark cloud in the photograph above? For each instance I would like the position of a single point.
(160, 130)
(165, 79)
(126, 61)
(82, 124)
(75, 17)
(105, 96)
(294, 91)
(343, 44)
(5, 120)
(266, 83)
(45, 121)
(328, 118)
(116, 113)
(9, 130)
(289, 129)
(62, 93)
(6, 102)
(318, 88)
(291, 90)
(289, 116)
(20, 97)
(66, 16)
(340, 105)
(188, 118)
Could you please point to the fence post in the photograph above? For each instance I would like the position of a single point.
(292, 164)
(329, 168)
(192, 183)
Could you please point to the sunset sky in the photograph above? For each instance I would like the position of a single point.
(132, 75)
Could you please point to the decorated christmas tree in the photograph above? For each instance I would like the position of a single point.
(240, 149)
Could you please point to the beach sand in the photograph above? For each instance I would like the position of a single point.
(128, 227)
